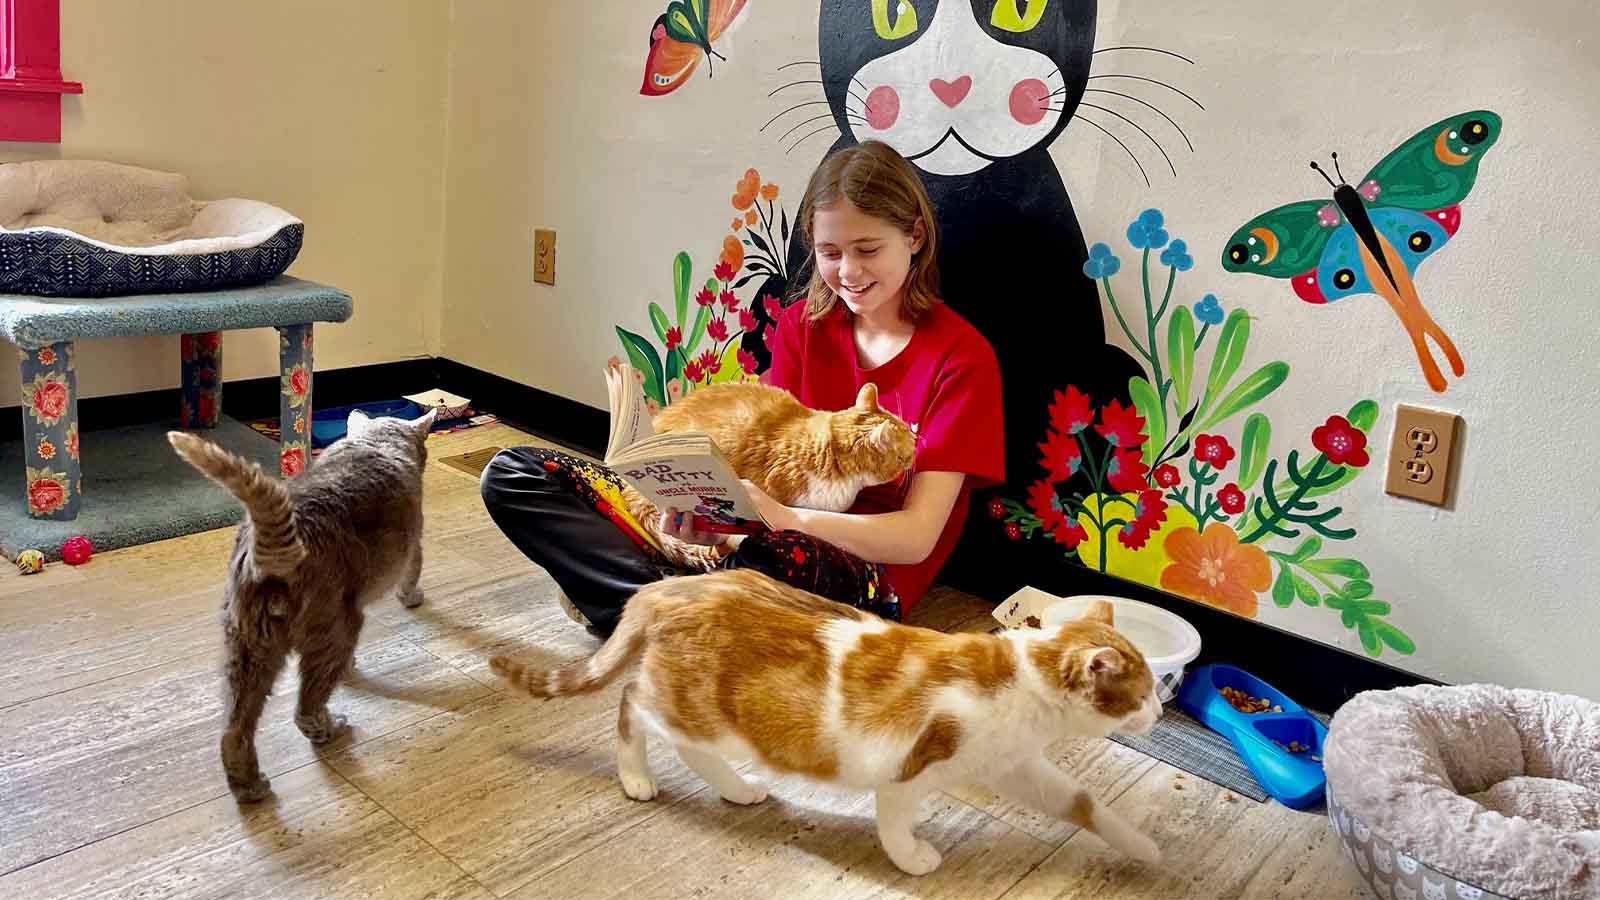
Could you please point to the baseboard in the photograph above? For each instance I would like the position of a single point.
(1316, 674)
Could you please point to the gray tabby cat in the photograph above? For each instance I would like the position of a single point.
(310, 553)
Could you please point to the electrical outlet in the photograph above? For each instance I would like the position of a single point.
(544, 256)
(1419, 454)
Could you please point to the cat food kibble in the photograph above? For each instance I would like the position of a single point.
(1245, 703)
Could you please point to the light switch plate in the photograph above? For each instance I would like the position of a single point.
(1419, 454)
(544, 256)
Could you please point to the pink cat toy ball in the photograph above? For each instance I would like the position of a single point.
(75, 551)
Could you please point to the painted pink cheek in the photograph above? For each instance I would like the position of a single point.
(883, 107)
(1030, 100)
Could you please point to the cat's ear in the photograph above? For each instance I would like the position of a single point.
(867, 397)
(1099, 611)
(882, 436)
(425, 424)
(356, 423)
(1105, 662)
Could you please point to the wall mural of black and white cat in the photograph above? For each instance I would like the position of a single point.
(1123, 464)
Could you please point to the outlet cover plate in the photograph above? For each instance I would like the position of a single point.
(1421, 436)
(544, 256)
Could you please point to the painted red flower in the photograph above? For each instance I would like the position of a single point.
(718, 329)
(723, 271)
(1046, 506)
(1213, 449)
(773, 306)
(1344, 444)
(1167, 476)
(211, 342)
(674, 337)
(46, 495)
(1150, 510)
(728, 299)
(72, 441)
(997, 508)
(747, 320)
(711, 362)
(207, 402)
(692, 371)
(1120, 425)
(747, 361)
(1231, 498)
(705, 297)
(1070, 413)
(207, 375)
(300, 380)
(1061, 456)
(1127, 471)
(292, 461)
(49, 399)
(1013, 531)
(1133, 535)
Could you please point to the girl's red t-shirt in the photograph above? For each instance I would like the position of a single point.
(945, 384)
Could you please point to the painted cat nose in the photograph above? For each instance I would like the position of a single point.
(951, 93)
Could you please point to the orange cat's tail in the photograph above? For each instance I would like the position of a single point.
(616, 654)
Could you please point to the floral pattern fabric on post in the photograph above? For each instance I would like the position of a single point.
(54, 485)
(202, 380)
(294, 402)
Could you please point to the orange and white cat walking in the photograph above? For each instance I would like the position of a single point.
(734, 666)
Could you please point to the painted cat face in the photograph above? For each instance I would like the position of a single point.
(1433, 890)
(955, 85)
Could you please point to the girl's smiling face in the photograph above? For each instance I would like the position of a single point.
(864, 260)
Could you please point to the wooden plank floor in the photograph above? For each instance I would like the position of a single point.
(451, 787)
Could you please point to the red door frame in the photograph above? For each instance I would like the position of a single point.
(31, 83)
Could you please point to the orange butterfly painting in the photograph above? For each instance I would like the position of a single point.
(681, 37)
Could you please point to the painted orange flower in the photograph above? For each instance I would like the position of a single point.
(769, 192)
(732, 254)
(72, 440)
(738, 223)
(46, 449)
(299, 424)
(1215, 568)
(750, 217)
(745, 193)
(47, 357)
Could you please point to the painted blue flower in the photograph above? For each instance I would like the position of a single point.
(1208, 310)
(1102, 263)
(1177, 256)
(1146, 233)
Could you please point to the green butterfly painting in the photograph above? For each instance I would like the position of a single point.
(1372, 237)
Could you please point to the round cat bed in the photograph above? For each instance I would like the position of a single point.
(1462, 793)
(80, 228)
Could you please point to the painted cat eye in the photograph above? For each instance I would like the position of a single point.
(905, 19)
(1007, 17)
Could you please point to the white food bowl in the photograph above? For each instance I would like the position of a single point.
(1168, 642)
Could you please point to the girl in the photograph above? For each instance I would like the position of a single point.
(872, 313)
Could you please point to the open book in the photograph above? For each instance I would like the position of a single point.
(683, 471)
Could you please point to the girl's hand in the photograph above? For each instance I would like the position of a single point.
(778, 516)
(679, 524)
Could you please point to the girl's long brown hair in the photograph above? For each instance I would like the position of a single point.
(881, 183)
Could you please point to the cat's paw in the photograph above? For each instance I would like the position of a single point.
(746, 794)
(322, 729)
(413, 599)
(253, 791)
(1139, 847)
(920, 861)
(640, 786)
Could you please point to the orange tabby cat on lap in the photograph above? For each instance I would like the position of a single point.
(798, 456)
(735, 665)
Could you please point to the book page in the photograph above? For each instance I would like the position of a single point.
(702, 484)
(630, 416)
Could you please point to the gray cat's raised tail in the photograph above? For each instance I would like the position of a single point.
(277, 549)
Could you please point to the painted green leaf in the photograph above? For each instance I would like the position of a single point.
(1249, 392)
(1374, 607)
(1397, 640)
(658, 318)
(682, 266)
(1369, 638)
(1307, 549)
(643, 357)
(1148, 406)
(1305, 591)
(1253, 448)
(1228, 355)
(675, 361)
(1180, 353)
(1283, 588)
(692, 339)
(1363, 415)
(1342, 568)
(1334, 601)
(1357, 589)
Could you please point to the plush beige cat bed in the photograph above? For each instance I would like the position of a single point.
(93, 229)
(1461, 793)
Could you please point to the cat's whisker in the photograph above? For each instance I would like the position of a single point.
(1158, 81)
(799, 62)
(791, 84)
(1147, 49)
(1162, 150)
(1053, 73)
(851, 117)
(1157, 109)
(790, 110)
(813, 134)
(1142, 173)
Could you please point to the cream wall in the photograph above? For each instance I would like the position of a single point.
(333, 111)
(1498, 587)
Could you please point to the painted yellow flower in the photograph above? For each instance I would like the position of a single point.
(1144, 565)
